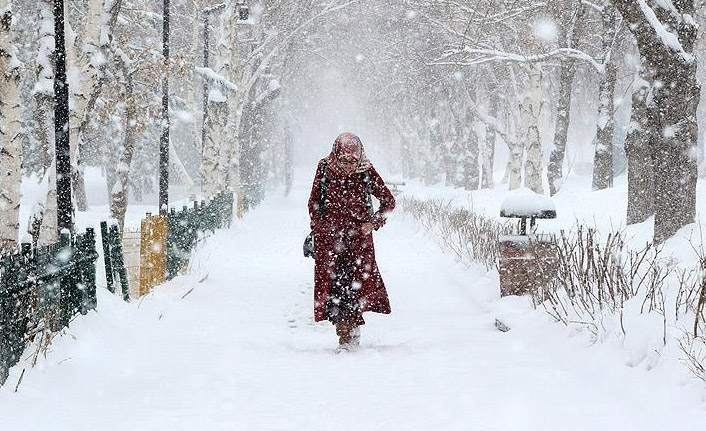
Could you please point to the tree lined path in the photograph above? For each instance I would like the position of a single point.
(232, 346)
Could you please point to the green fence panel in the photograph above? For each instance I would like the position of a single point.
(186, 225)
(118, 260)
(105, 240)
(43, 289)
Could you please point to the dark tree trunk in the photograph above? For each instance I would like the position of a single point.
(569, 34)
(672, 77)
(61, 124)
(639, 158)
(470, 155)
(489, 156)
(556, 158)
(164, 140)
(603, 158)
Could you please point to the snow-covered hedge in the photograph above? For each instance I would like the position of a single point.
(471, 236)
(602, 285)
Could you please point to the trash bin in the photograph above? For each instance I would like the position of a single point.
(527, 260)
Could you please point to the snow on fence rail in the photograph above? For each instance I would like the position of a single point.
(41, 290)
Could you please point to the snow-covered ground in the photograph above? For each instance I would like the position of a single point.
(232, 346)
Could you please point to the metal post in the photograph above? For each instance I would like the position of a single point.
(105, 239)
(205, 81)
(61, 124)
(164, 141)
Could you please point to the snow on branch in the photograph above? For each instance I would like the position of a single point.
(593, 6)
(272, 90)
(485, 55)
(668, 6)
(668, 38)
(212, 76)
(477, 16)
(491, 122)
(333, 6)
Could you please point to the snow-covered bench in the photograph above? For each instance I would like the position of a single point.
(395, 184)
(525, 204)
(526, 261)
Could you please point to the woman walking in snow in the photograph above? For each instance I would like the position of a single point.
(347, 281)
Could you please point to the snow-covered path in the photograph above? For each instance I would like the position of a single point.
(238, 351)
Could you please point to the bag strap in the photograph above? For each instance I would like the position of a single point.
(324, 190)
(368, 193)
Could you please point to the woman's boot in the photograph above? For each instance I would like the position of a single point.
(355, 336)
(343, 330)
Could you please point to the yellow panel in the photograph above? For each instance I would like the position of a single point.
(153, 252)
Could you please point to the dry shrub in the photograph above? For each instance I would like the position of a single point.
(595, 276)
(470, 236)
(693, 344)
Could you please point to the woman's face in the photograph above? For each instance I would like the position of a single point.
(348, 163)
(348, 158)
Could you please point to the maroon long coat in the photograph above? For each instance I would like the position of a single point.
(339, 231)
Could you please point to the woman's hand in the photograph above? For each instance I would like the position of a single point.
(366, 228)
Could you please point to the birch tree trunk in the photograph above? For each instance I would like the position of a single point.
(43, 91)
(513, 120)
(91, 61)
(81, 65)
(224, 107)
(44, 94)
(49, 229)
(75, 98)
(10, 126)
(233, 70)
(531, 110)
(603, 157)
(211, 181)
(513, 172)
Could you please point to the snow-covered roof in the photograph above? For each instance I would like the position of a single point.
(523, 202)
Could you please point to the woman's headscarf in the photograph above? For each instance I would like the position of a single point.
(346, 145)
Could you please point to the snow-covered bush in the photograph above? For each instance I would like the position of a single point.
(471, 236)
(640, 296)
(693, 343)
